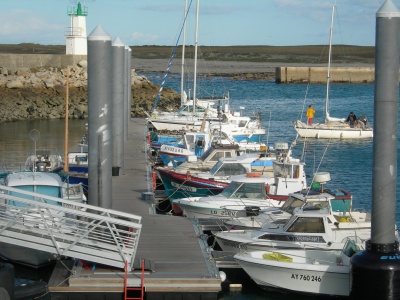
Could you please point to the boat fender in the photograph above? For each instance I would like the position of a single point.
(154, 180)
(188, 177)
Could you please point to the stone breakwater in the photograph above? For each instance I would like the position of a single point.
(40, 93)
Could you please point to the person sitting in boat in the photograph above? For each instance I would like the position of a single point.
(352, 119)
(362, 121)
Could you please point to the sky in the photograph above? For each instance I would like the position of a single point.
(221, 22)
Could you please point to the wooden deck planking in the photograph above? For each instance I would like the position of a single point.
(171, 243)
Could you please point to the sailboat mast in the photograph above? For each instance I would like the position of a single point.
(183, 54)
(195, 56)
(329, 67)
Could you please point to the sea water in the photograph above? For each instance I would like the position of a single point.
(349, 162)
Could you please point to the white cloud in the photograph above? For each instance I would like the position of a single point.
(24, 25)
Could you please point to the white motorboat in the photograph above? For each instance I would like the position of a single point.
(44, 160)
(252, 191)
(338, 201)
(309, 227)
(240, 128)
(306, 271)
(46, 183)
(334, 128)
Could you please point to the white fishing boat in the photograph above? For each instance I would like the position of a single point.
(334, 128)
(195, 143)
(44, 160)
(186, 114)
(192, 143)
(309, 227)
(241, 128)
(305, 271)
(338, 201)
(248, 192)
(46, 183)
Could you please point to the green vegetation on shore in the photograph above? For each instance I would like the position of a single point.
(311, 54)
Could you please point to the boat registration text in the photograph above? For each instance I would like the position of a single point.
(306, 277)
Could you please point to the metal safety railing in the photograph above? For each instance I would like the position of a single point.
(68, 228)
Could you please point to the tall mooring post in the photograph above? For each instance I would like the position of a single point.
(118, 103)
(374, 273)
(100, 117)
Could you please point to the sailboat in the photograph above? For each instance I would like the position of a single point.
(334, 128)
(191, 112)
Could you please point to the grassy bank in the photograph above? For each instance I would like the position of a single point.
(284, 54)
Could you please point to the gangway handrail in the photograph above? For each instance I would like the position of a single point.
(69, 202)
(80, 231)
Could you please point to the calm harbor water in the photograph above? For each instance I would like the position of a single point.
(349, 162)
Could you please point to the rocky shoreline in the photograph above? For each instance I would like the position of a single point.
(30, 94)
(39, 93)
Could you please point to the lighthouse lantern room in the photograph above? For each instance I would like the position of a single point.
(76, 36)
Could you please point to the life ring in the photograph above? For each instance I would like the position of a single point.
(188, 176)
(253, 175)
(154, 180)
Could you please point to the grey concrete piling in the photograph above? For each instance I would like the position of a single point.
(99, 117)
(118, 103)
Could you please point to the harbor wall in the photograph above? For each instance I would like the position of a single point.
(319, 75)
(26, 61)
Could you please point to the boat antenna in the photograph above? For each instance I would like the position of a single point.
(220, 122)
(269, 126)
(34, 135)
(319, 165)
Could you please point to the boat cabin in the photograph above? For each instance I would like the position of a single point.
(251, 185)
(44, 160)
(229, 166)
(47, 183)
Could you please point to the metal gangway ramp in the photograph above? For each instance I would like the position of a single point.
(67, 228)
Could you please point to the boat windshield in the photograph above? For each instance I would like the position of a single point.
(227, 169)
(217, 155)
(350, 248)
(286, 170)
(52, 191)
(245, 190)
(308, 225)
(291, 204)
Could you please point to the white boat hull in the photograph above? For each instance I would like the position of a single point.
(222, 209)
(318, 279)
(323, 131)
(175, 124)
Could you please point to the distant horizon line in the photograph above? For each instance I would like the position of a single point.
(305, 45)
